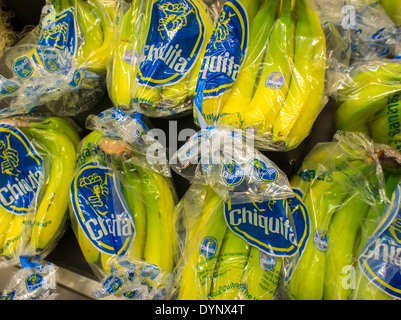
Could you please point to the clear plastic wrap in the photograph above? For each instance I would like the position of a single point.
(37, 163)
(369, 101)
(32, 282)
(237, 221)
(61, 63)
(122, 207)
(343, 185)
(157, 55)
(269, 68)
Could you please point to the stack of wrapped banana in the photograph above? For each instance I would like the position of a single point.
(238, 69)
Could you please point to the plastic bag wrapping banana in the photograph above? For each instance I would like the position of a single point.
(122, 209)
(343, 186)
(237, 221)
(272, 77)
(36, 163)
(368, 101)
(61, 63)
(157, 55)
(32, 282)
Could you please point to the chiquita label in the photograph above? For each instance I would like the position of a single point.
(225, 52)
(101, 210)
(381, 258)
(175, 37)
(22, 171)
(58, 36)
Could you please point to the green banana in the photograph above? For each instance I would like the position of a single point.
(233, 257)
(322, 198)
(132, 191)
(385, 126)
(362, 104)
(303, 102)
(262, 279)
(237, 106)
(343, 235)
(14, 240)
(268, 99)
(124, 69)
(86, 154)
(51, 212)
(160, 233)
(200, 262)
(393, 8)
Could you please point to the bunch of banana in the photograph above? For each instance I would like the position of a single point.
(334, 187)
(279, 91)
(369, 103)
(96, 29)
(393, 9)
(36, 232)
(130, 32)
(217, 264)
(163, 98)
(150, 201)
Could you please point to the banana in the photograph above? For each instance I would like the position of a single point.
(51, 212)
(160, 233)
(202, 247)
(303, 102)
(86, 155)
(385, 125)
(211, 107)
(5, 220)
(124, 66)
(269, 97)
(262, 279)
(233, 257)
(343, 234)
(237, 106)
(322, 198)
(393, 8)
(362, 104)
(132, 191)
(15, 238)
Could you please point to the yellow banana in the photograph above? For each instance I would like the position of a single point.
(393, 8)
(5, 220)
(124, 66)
(262, 274)
(303, 102)
(237, 106)
(233, 257)
(15, 239)
(202, 247)
(51, 212)
(276, 74)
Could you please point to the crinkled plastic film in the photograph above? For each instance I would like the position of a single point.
(344, 186)
(61, 63)
(37, 166)
(122, 210)
(236, 203)
(157, 55)
(268, 69)
(369, 101)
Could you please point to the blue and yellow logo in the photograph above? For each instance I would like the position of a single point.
(208, 247)
(8, 87)
(225, 53)
(21, 171)
(260, 171)
(22, 67)
(101, 210)
(275, 80)
(232, 173)
(34, 281)
(173, 44)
